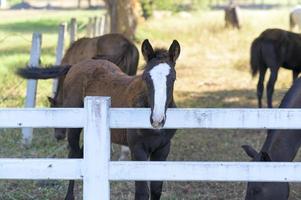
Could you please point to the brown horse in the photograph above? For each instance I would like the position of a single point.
(274, 48)
(113, 47)
(154, 89)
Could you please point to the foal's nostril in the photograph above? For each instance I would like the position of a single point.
(157, 124)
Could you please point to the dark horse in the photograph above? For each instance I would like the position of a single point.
(154, 89)
(280, 145)
(113, 47)
(274, 48)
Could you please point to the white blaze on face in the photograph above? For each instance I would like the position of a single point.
(159, 75)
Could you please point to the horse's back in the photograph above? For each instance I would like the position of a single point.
(292, 98)
(113, 47)
(275, 34)
(86, 48)
(98, 78)
(81, 49)
(110, 43)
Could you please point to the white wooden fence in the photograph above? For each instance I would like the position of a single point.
(96, 169)
(99, 27)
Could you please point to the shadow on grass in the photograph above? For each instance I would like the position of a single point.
(237, 98)
(25, 49)
(42, 25)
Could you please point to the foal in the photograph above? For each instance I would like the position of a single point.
(279, 146)
(154, 89)
(113, 47)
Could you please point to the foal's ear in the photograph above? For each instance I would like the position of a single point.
(250, 151)
(174, 50)
(147, 50)
(51, 101)
(265, 156)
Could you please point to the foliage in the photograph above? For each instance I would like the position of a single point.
(13, 2)
(180, 5)
(147, 8)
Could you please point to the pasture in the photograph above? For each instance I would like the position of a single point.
(212, 71)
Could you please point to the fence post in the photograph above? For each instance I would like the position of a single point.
(102, 21)
(59, 53)
(30, 100)
(73, 30)
(97, 142)
(95, 27)
(2, 4)
(89, 27)
(107, 24)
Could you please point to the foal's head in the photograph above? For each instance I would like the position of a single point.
(159, 76)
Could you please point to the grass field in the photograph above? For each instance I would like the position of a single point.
(212, 71)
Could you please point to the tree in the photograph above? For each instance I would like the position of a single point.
(124, 15)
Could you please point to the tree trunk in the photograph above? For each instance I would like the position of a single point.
(124, 16)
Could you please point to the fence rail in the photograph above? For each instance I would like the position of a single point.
(96, 169)
(217, 118)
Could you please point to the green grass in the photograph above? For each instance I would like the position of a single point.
(212, 71)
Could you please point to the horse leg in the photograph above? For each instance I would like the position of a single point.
(75, 151)
(271, 85)
(260, 85)
(159, 155)
(141, 187)
(295, 75)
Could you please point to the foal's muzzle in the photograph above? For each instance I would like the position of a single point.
(157, 124)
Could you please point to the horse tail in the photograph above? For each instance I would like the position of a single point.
(255, 60)
(291, 21)
(43, 73)
(126, 57)
(133, 57)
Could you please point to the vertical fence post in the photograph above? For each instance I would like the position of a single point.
(2, 4)
(59, 53)
(102, 21)
(30, 100)
(73, 30)
(97, 142)
(89, 27)
(95, 27)
(107, 24)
